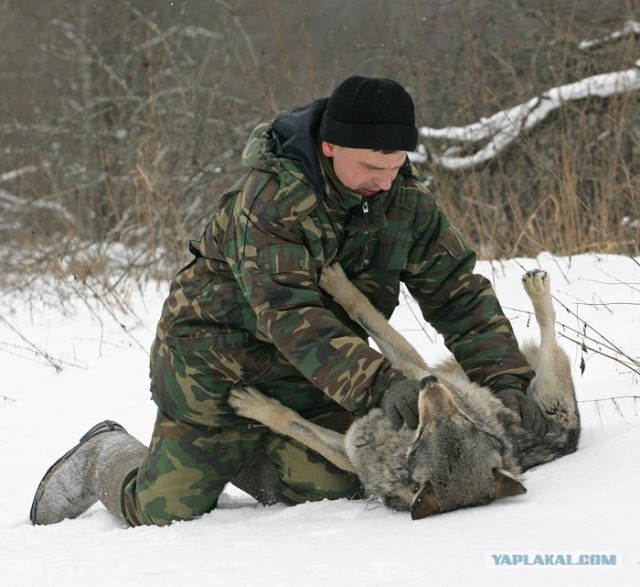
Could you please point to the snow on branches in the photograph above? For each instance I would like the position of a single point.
(490, 136)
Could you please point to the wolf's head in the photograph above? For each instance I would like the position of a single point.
(453, 462)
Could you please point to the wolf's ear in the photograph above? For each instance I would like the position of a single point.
(425, 503)
(506, 486)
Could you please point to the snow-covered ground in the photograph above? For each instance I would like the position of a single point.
(584, 504)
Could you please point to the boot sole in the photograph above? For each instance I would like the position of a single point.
(105, 426)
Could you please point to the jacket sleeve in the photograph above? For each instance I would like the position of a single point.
(463, 307)
(280, 282)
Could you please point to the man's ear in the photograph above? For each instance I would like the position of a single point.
(327, 149)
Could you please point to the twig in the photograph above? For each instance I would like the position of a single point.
(633, 365)
(614, 402)
(635, 398)
(33, 346)
(111, 313)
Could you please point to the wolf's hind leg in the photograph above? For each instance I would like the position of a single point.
(250, 403)
(537, 284)
(553, 386)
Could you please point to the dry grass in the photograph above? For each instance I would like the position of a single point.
(569, 187)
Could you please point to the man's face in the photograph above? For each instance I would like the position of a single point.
(363, 170)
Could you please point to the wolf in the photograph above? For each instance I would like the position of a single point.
(469, 448)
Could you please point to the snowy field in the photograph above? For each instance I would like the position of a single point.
(66, 367)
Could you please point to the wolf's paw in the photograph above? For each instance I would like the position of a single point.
(332, 278)
(536, 282)
(248, 402)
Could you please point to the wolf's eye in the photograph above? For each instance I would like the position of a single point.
(413, 486)
(496, 442)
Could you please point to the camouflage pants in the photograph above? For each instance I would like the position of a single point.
(188, 466)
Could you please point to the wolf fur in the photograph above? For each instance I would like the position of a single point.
(468, 448)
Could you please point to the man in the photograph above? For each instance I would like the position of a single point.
(327, 182)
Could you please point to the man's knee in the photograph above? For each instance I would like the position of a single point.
(186, 470)
(306, 476)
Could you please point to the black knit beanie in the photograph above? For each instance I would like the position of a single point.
(370, 113)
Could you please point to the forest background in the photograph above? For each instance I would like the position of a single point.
(122, 122)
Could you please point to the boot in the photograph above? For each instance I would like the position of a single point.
(258, 478)
(96, 469)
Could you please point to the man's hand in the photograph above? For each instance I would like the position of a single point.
(530, 413)
(400, 403)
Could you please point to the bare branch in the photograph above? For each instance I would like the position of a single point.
(33, 346)
(8, 200)
(501, 129)
(631, 28)
(10, 175)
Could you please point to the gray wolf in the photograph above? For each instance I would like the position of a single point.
(468, 448)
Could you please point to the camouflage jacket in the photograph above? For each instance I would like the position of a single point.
(248, 308)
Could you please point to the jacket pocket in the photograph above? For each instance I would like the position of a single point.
(287, 258)
(391, 255)
(453, 243)
(191, 376)
(201, 343)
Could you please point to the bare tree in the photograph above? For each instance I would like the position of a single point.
(124, 121)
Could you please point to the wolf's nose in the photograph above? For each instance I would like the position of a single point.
(428, 381)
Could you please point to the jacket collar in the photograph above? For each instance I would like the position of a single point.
(294, 136)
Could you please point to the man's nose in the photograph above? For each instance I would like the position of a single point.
(385, 179)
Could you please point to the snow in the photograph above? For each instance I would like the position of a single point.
(583, 504)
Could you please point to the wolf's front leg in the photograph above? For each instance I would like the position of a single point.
(250, 403)
(335, 282)
(391, 343)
